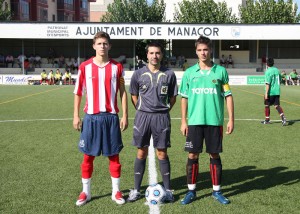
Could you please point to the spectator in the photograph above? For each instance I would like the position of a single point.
(181, 60)
(69, 64)
(173, 60)
(2, 60)
(229, 61)
(67, 78)
(294, 77)
(283, 78)
(263, 62)
(223, 61)
(51, 56)
(75, 65)
(9, 60)
(21, 59)
(44, 77)
(61, 61)
(51, 78)
(58, 77)
(37, 60)
(31, 60)
(26, 66)
(185, 65)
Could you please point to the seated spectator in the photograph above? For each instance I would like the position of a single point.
(37, 60)
(294, 77)
(173, 61)
(26, 66)
(67, 78)
(2, 60)
(31, 60)
(21, 59)
(61, 61)
(185, 65)
(283, 78)
(58, 77)
(55, 64)
(51, 56)
(51, 78)
(9, 60)
(181, 61)
(229, 61)
(44, 76)
(75, 65)
(223, 61)
(69, 64)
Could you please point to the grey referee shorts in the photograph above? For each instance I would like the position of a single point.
(156, 124)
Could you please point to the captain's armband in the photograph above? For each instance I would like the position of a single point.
(226, 89)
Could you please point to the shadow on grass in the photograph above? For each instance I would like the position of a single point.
(241, 180)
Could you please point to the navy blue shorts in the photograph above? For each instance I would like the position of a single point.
(156, 124)
(212, 135)
(100, 134)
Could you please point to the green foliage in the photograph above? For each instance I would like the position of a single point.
(204, 11)
(5, 13)
(269, 11)
(40, 161)
(135, 11)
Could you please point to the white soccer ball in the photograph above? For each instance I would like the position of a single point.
(155, 194)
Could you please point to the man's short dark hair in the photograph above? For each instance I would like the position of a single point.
(203, 40)
(155, 44)
(101, 34)
(270, 62)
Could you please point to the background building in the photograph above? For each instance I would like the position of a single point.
(50, 10)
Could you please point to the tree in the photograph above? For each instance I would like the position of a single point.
(269, 11)
(204, 11)
(136, 11)
(5, 13)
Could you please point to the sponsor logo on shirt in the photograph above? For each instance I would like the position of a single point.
(204, 91)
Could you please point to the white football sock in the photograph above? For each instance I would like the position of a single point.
(115, 184)
(86, 186)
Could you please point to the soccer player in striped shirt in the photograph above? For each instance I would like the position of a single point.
(203, 89)
(101, 78)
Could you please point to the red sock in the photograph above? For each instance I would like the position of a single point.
(114, 166)
(87, 166)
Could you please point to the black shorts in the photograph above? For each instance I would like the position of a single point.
(156, 124)
(272, 100)
(213, 136)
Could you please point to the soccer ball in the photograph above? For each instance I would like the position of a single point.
(155, 194)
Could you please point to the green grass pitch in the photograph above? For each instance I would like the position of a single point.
(40, 162)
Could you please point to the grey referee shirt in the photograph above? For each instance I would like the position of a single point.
(153, 89)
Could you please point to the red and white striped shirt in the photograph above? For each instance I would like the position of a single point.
(101, 85)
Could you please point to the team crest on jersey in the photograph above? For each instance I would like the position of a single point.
(81, 143)
(164, 89)
(144, 87)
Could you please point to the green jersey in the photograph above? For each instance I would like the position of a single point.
(273, 79)
(205, 91)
